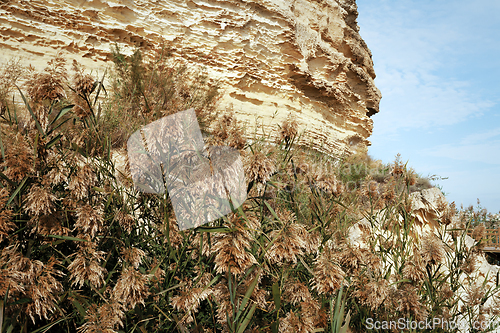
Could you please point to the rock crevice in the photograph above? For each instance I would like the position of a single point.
(271, 58)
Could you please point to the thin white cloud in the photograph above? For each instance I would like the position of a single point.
(483, 152)
(416, 104)
(465, 187)
(436, 69)
(481, 137)
(409, 49)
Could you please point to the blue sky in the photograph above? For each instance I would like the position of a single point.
(438, 68)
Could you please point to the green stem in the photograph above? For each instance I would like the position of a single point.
(1, 316)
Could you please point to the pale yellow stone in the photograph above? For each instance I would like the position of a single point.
(272, 58)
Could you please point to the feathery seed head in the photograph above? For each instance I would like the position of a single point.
(296, 292)
(49, 84)
(89, 219)
(6, 224)
(328, 275)
(259, 167)
(40, 201)
(432, 249)
(18, 157)
(133, 256)
(106, 318)
(86, 266)
(131, 288)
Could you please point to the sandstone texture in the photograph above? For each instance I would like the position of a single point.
(272, 58)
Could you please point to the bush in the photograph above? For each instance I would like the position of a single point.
(81, 250)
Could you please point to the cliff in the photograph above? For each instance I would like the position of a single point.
(272, 58)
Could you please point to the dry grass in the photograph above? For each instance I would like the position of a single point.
(81, 251)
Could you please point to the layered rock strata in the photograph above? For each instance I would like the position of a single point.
(272, 58)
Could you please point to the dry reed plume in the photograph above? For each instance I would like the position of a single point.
(82, 250)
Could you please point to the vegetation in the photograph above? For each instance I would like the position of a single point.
(82, 250)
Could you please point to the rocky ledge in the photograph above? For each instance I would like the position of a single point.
(272, 58)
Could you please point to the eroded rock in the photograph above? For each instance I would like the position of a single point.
(272, 58)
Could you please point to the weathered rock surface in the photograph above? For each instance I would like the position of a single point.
(273, 58)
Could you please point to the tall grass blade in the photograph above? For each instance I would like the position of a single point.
(276, 295)
(37, 123)
(246, 298)
(61, 113)
(247, 319)
(18, 189)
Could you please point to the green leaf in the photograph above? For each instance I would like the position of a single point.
(38, 126)
(7, 179)
(306, 265)
(99, 89)
(53, 141)
(79, 307)
(272, 211)
(15, 113)
(161, 311)
(5, 296)
(276, 295)
(337, 315)
(2, 307)
(67, 238)
(49, 326)
(1, 146)
(93, 87)
(61, 113)
(246, 298)
(18, 189)
(58, 125)
(247, 319)
(212, 229)
(51, 107)
(347, 319)
(21, 301)
(339, 311)
(275, 326)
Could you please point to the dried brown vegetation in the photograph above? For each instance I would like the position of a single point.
(82, 250)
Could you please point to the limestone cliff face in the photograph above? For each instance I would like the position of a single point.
(273, 57)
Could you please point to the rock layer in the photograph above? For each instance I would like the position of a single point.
(272, 58)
